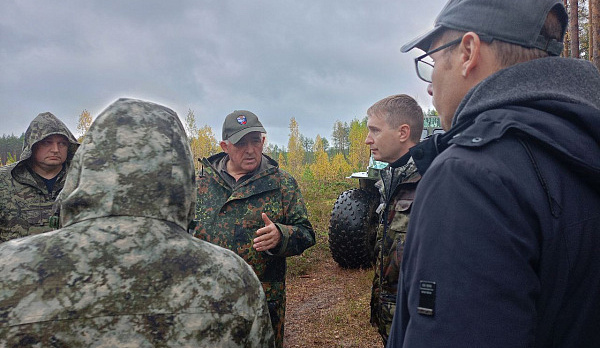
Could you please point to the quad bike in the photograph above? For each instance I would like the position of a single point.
(353, 223)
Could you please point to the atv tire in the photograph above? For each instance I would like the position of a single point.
(352, 228)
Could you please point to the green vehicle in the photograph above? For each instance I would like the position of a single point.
(354, 220)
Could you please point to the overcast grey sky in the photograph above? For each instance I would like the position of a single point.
(317, 61)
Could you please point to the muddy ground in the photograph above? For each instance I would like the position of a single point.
(329, 307)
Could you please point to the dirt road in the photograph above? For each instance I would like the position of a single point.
(330, 308)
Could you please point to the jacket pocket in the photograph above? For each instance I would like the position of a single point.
(401, 215)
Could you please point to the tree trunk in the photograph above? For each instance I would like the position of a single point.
(595, 32)
(567, 35)
(574, 28)
(591, 30)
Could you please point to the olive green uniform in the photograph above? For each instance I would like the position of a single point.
(229, 213)
(25, 202)
(397, 189)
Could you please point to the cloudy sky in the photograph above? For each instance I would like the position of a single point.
(316, 60)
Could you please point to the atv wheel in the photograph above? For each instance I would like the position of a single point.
(352, 228)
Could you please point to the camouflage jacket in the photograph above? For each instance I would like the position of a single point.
(123, 272)
(397, 189)
(229, 217)
(25, 203)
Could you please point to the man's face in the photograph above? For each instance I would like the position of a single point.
(50, 153)
(383, 140)
(245, 155)
(446, 86)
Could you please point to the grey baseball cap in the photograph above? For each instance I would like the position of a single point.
(514, 21)
(239, 123)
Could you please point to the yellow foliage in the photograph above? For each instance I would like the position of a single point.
(203, 144)
(10, 159)
(339, 167)
(321, 167)
(359, 152)
(85, 121)
(318, 147)
(295, 150)
(281, 161)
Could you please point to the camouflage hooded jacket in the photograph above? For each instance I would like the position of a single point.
(229, 217)
(122, 271)
(397, 190)
(25, 203)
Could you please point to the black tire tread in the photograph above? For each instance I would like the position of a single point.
(352, 228)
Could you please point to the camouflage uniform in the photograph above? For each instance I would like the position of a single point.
(397, 189)
(25, 203)
(229, 217)
(123, 272)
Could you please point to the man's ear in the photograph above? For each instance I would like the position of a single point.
(470, 50)
(404, 132)
(224, 145)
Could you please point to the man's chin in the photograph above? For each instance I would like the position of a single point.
(250, 166)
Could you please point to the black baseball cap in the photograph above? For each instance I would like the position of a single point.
(239, 123)
(514, 21)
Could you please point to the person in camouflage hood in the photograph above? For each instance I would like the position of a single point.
(29, 187)
(248, 205)
(123, 271)
(395, 125)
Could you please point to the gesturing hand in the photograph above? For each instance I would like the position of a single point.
(268, 236)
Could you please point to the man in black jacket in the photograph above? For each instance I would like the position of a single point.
(502, 246)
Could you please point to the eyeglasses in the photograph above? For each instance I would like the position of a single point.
(425, 69)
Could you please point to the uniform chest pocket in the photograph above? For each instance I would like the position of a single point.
(33, 208)
(401, 215)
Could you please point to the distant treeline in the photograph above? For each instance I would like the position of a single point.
(10, 144)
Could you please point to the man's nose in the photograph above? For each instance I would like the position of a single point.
(368, 140)
(54, 147)
(430, 89)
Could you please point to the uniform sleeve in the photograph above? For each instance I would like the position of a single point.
(297, 231)
(468, 270)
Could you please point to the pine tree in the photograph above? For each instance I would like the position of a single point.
(340, 137)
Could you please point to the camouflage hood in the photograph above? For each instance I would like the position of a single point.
(133, 153)
(46, 124)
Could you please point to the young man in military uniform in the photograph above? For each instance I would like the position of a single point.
(28, 188)
(395, 125)
(248, 205)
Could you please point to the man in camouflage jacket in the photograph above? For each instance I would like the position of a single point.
(28, 188)
(123, 271)
(395, 125)
(248, 205)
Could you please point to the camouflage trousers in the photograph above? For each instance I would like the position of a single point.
(275, 294)
(382, 314)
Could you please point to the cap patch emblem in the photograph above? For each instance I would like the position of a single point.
(242, 119)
